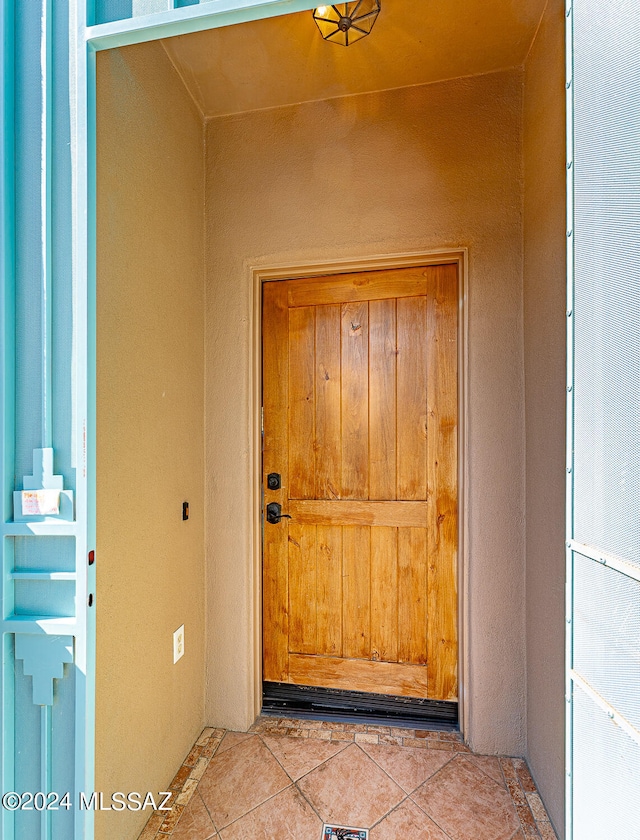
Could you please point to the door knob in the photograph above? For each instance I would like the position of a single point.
(275, 514)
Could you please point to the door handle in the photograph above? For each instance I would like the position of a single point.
(275, 514)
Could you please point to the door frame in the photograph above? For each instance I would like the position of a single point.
(263, 274)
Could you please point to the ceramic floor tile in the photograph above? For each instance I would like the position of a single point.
(300, 756)
(490, 764)
(407, 766)
(231, 739)
(546, 831)
(268, 785)
(350, 789)
(524, 775)
(240, 779)
(195, 822)
(288, 816)
(466, 803)
(407, 822)
(171, 819)
(537, 808)
(150, 831)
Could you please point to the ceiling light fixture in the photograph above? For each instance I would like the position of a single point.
(346, 23)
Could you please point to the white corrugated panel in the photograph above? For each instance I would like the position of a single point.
(604, 746)
(606, 793)
(607, 271)
(606, 641)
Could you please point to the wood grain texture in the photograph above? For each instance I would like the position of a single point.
(360, 399)
(329, 590)
(408, 514)
(301, 403)
(275, 560)
(328, 396)
(365, 286)
(412, 398)
(384, 594)
(412, 595)
(359, 675)
(355, 400)
(302, 588)
(356, 583)
(382, 399)
(443, 483)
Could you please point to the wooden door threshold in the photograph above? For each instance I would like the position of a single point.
(313, 703)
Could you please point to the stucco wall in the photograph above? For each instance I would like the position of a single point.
(150, 423)
(544, 330)
(405, 170)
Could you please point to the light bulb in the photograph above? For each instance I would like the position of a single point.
(321, 11)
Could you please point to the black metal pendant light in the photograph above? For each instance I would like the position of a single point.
(346, 23)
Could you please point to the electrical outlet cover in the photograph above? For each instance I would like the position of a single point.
(178, 644)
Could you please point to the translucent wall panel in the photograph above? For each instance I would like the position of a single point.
(604, 747)
(606, 642)
(607, 270)
(605, 776)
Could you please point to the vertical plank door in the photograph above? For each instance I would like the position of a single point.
(360, 396)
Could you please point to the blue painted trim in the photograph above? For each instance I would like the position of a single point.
(7, 257)
(208, 15)
(46, 72)
(7, 393)
(87, 246)
(44, 658)
(45, 766)
(39, 529)
(8, 733)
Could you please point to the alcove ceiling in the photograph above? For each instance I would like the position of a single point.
(284, 61)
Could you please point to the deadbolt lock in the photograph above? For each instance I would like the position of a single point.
(274, 481)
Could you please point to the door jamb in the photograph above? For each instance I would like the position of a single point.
(264, 274)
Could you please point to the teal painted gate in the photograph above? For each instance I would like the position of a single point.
(47, 431)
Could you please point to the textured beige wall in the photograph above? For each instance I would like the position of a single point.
(150, 420)
(412, 169)
(544, 325)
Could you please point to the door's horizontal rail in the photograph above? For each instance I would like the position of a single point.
(343, 512)
(406, 680)
(345, 288)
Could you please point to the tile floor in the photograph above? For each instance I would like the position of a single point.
(285, 778)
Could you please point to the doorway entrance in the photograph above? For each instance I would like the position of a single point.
(360, 463)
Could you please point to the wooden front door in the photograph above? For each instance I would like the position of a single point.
(360, 389)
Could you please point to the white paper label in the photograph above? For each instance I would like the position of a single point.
(40, 502)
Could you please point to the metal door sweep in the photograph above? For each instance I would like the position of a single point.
(342, 832)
